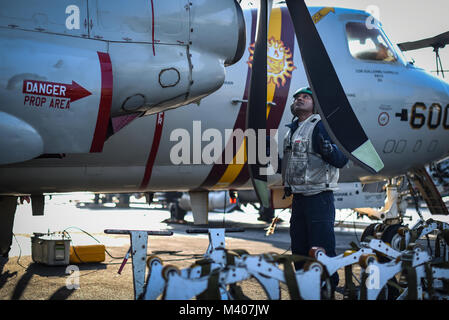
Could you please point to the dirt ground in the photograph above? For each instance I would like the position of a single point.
(25, 280)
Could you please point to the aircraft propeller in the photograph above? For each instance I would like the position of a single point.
(330, 99)
(257, 100)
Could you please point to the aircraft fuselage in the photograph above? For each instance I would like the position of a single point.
(403, 109)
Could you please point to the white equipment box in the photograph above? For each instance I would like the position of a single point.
(50, 249)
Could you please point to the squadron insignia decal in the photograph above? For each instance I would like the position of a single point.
(322, 13)
(279, 62)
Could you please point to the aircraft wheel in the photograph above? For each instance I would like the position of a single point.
(176, 213)
(369, 232)
(123, 201)
(326, 289)
(392, 236)
(389, 292)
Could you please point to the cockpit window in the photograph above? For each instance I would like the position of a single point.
(369, 44)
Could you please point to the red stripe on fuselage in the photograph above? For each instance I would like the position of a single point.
(104, 109)
(154, 148)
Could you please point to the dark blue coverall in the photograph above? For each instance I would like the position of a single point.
(313, 217)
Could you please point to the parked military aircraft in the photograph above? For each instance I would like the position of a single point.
(402, 109)
(74, 72)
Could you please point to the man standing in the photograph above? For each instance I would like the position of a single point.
(310, 172)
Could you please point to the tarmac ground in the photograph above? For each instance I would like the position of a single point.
(23, 279)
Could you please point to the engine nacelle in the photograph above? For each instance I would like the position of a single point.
(193, 42)
(69, 67)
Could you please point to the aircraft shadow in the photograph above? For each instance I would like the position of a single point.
(49, 271)
(4, 276)
(61, 294)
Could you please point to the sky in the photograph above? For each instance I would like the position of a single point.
(403, 21)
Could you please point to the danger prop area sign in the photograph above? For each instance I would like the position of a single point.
(52, 94)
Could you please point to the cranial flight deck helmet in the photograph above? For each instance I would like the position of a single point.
(303, 90)
(308, 91)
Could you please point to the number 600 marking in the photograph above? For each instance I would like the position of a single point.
(418, 117)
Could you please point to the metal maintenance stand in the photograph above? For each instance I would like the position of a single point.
(216, 237)
(139, 240)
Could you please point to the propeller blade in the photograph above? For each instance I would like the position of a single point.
(439, 41)
(257, 101)
(330, 99)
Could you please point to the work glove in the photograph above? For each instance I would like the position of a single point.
(326, 147)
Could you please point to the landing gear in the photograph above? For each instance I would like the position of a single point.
(123, 200)
(391, 236)
(395, 204)
(176, 212)
(199, 201)
(370, 231)
(149, 197)
(8, 205)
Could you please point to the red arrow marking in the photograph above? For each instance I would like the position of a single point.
(54, 89)
(77, 92)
